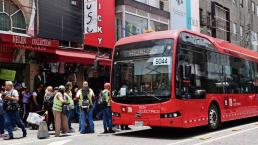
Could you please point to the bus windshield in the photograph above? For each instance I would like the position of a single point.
(142, 72)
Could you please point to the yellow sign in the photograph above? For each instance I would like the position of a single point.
(8, 75)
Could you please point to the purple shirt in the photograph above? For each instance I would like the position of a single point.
(26, 98)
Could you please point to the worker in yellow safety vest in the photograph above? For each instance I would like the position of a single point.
(86, 99)
(59, 113)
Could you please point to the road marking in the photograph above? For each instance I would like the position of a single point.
(225, 136)
(179, 142)
(225, 130)
(62, 142)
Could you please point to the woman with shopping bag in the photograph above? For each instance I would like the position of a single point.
(60, 106)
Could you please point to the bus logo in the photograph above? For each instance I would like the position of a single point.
(138, 115)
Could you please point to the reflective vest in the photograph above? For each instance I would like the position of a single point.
(57, 104)
(90, 96)
(106, 96)
(70, 99)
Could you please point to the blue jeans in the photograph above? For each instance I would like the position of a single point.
(107, 119)
(89, 117)
(1, 124)
(77, 112)
(10, 117)
(69, 115)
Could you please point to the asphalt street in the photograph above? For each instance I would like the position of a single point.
(241, 132)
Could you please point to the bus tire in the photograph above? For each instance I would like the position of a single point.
(214, 119)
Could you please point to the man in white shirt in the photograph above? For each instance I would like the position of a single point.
(12, 110)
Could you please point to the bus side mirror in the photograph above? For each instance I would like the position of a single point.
(188, 70)
(96, 64)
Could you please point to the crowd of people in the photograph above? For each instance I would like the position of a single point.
(60, 105)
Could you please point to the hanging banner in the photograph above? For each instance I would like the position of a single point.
(99, 23)
(185, 15)
(31, 28)
(8, 75)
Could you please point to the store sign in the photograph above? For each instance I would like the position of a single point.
(185, 15)
(8, 75)
(35, 44)
(99, 23)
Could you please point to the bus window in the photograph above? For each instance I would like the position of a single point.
(188, 87)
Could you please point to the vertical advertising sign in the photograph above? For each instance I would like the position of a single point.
(185, 15)
(99, 23)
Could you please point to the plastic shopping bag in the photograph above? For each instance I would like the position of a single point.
(35, 118)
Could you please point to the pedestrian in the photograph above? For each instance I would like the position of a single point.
(60, 113)
(86, 99)
(76, 104)
(47, 106)
(69, 96)
(26, 105)
(40, 99)
(107, 114)
(11, 98)
(1, 113)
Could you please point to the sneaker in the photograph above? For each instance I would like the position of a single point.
(8, 138)
(71, 130)
(15, 128)
(24, 133)
(111, 131)
(105, 132)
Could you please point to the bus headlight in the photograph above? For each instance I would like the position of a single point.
(171, 115)
(116, 114)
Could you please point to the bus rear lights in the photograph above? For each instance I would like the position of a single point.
(171, 115)
(116, 114)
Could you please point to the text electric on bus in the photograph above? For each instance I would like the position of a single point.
(182, 79)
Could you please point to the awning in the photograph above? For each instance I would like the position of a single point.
(28, 43)
(80, 57)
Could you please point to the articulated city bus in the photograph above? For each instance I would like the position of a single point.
(182, 79)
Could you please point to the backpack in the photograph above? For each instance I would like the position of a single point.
(85, 101)
(102, 100)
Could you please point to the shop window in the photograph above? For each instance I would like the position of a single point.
(156, 26)
(12, 18)
(135, 25)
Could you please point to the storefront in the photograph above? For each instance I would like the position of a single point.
(36, 61)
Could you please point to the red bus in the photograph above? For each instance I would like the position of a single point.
(182, 79)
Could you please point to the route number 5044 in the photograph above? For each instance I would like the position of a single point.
(161, 61)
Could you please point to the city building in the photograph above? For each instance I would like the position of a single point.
(232, 20)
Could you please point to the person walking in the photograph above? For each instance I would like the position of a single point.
(26, 105)
(86, 98)
(47, 106)
(11, 114)
(1, 113)
(59, 112)
(107, 114)
(69, 96)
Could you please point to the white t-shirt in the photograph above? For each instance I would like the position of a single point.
(12, 93)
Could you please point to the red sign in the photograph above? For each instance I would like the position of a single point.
(99, 23)
(34, 44)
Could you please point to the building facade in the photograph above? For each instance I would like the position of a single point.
(232, 20)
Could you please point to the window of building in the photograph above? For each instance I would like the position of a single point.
(234, 28)
(135, 25)
(241, 31)
(161, 5)
(11, 17)
(154, 3)
(241, 3)
(253, 7)
(234, 2)
(156, 26)
(257, 10)
(246, 3)
(142, 1)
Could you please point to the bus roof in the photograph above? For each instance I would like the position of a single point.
(221, 45)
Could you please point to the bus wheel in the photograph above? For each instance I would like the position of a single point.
(214, 117)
